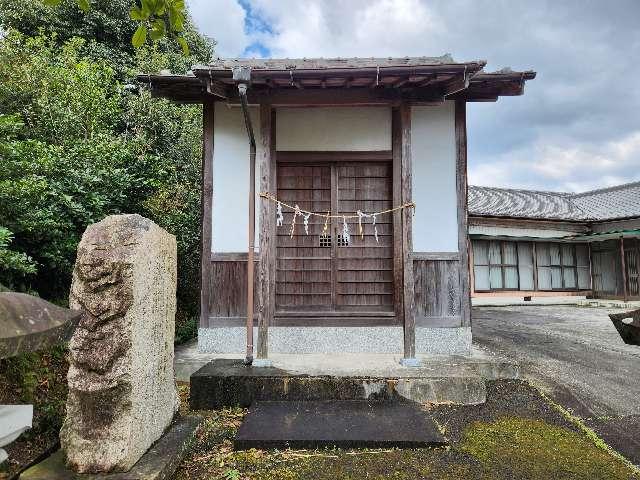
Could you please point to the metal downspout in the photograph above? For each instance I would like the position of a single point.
(244, 75)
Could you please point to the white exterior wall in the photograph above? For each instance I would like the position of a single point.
(433, 155)
(518, 232)
(230, 207)
(333, 129)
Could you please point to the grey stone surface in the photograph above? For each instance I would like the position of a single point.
(458, 390)
(378, 378)
(189, 359)
(435, 341)
(29, 323)
(159, 463)
(343, 424)
(122, 394)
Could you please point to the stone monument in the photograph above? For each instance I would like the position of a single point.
(122, 394)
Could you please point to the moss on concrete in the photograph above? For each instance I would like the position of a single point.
(513, 447)
(507, 448)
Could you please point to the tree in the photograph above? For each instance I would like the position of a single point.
(160, 18)
(107, 30)
(84, 147)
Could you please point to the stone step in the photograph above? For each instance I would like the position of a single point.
(227, 382)
(342, 424)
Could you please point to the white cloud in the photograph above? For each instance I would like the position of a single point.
(576, 127)
(563, 165)
(222, 20)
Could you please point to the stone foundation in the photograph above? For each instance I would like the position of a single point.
(435, 341)
(122, 394)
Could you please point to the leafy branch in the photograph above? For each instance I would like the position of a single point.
(156, 18)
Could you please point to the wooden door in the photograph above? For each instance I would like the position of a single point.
(318, 272)
(364, 268)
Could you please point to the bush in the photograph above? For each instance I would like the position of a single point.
(75, 147)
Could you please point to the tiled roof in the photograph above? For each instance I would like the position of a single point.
(502, 202)
(329, 63)
(622, 201)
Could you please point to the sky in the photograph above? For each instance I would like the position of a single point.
(576, 128)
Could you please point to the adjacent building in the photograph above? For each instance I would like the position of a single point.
(534, 243)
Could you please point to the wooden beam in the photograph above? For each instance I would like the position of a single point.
(623, 264)
(396, 145)
(217, 89)
(206, 201)
(295, 156)
(356, 96)
(461, 192)
(459, 83)
(402, 129)
(266, 293)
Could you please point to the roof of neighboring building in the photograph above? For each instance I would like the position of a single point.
(622, 201)
(411, 78)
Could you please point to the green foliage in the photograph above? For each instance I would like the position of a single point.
(78, 146)
(106, 27)
(59, 94)
(107, 30)
(160, 17)
(17, 262)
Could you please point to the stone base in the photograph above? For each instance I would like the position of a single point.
(341, 424)
(410, 362)
(431, 341)
(262, 362)
(226, 382)
(159, 463)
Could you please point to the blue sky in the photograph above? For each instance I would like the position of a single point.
(577, 126)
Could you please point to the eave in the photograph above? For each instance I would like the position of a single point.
(354, 85)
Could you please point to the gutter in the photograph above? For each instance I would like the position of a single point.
(242, 76)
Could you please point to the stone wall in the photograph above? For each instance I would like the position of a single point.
(122, 394)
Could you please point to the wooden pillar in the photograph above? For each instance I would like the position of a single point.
(267, 268)
(461, 189)
(403, 247)
(398, 270)
(623, 263)
(206, 202)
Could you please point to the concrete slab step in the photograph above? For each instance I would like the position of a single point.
(227, 382)
(342, 424)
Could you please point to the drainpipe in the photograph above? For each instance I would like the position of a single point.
(242, 75)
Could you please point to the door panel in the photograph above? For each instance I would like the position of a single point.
(365, 266)
(303, 267)
(325, 273)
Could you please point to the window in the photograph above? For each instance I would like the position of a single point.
(506, 265)
(562, 266)
(325, 240)
(495, 265)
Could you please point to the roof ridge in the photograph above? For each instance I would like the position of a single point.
(546, 192)
(606, 189)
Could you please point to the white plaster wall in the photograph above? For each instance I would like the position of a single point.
(518, 232)
(333, 128)
(433, 154)
(230, 208)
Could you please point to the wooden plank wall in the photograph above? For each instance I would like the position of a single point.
(438, 294)
(228, 291)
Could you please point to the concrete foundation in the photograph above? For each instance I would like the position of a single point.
(430, 341)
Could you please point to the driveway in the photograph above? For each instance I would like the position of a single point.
(576, 355)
